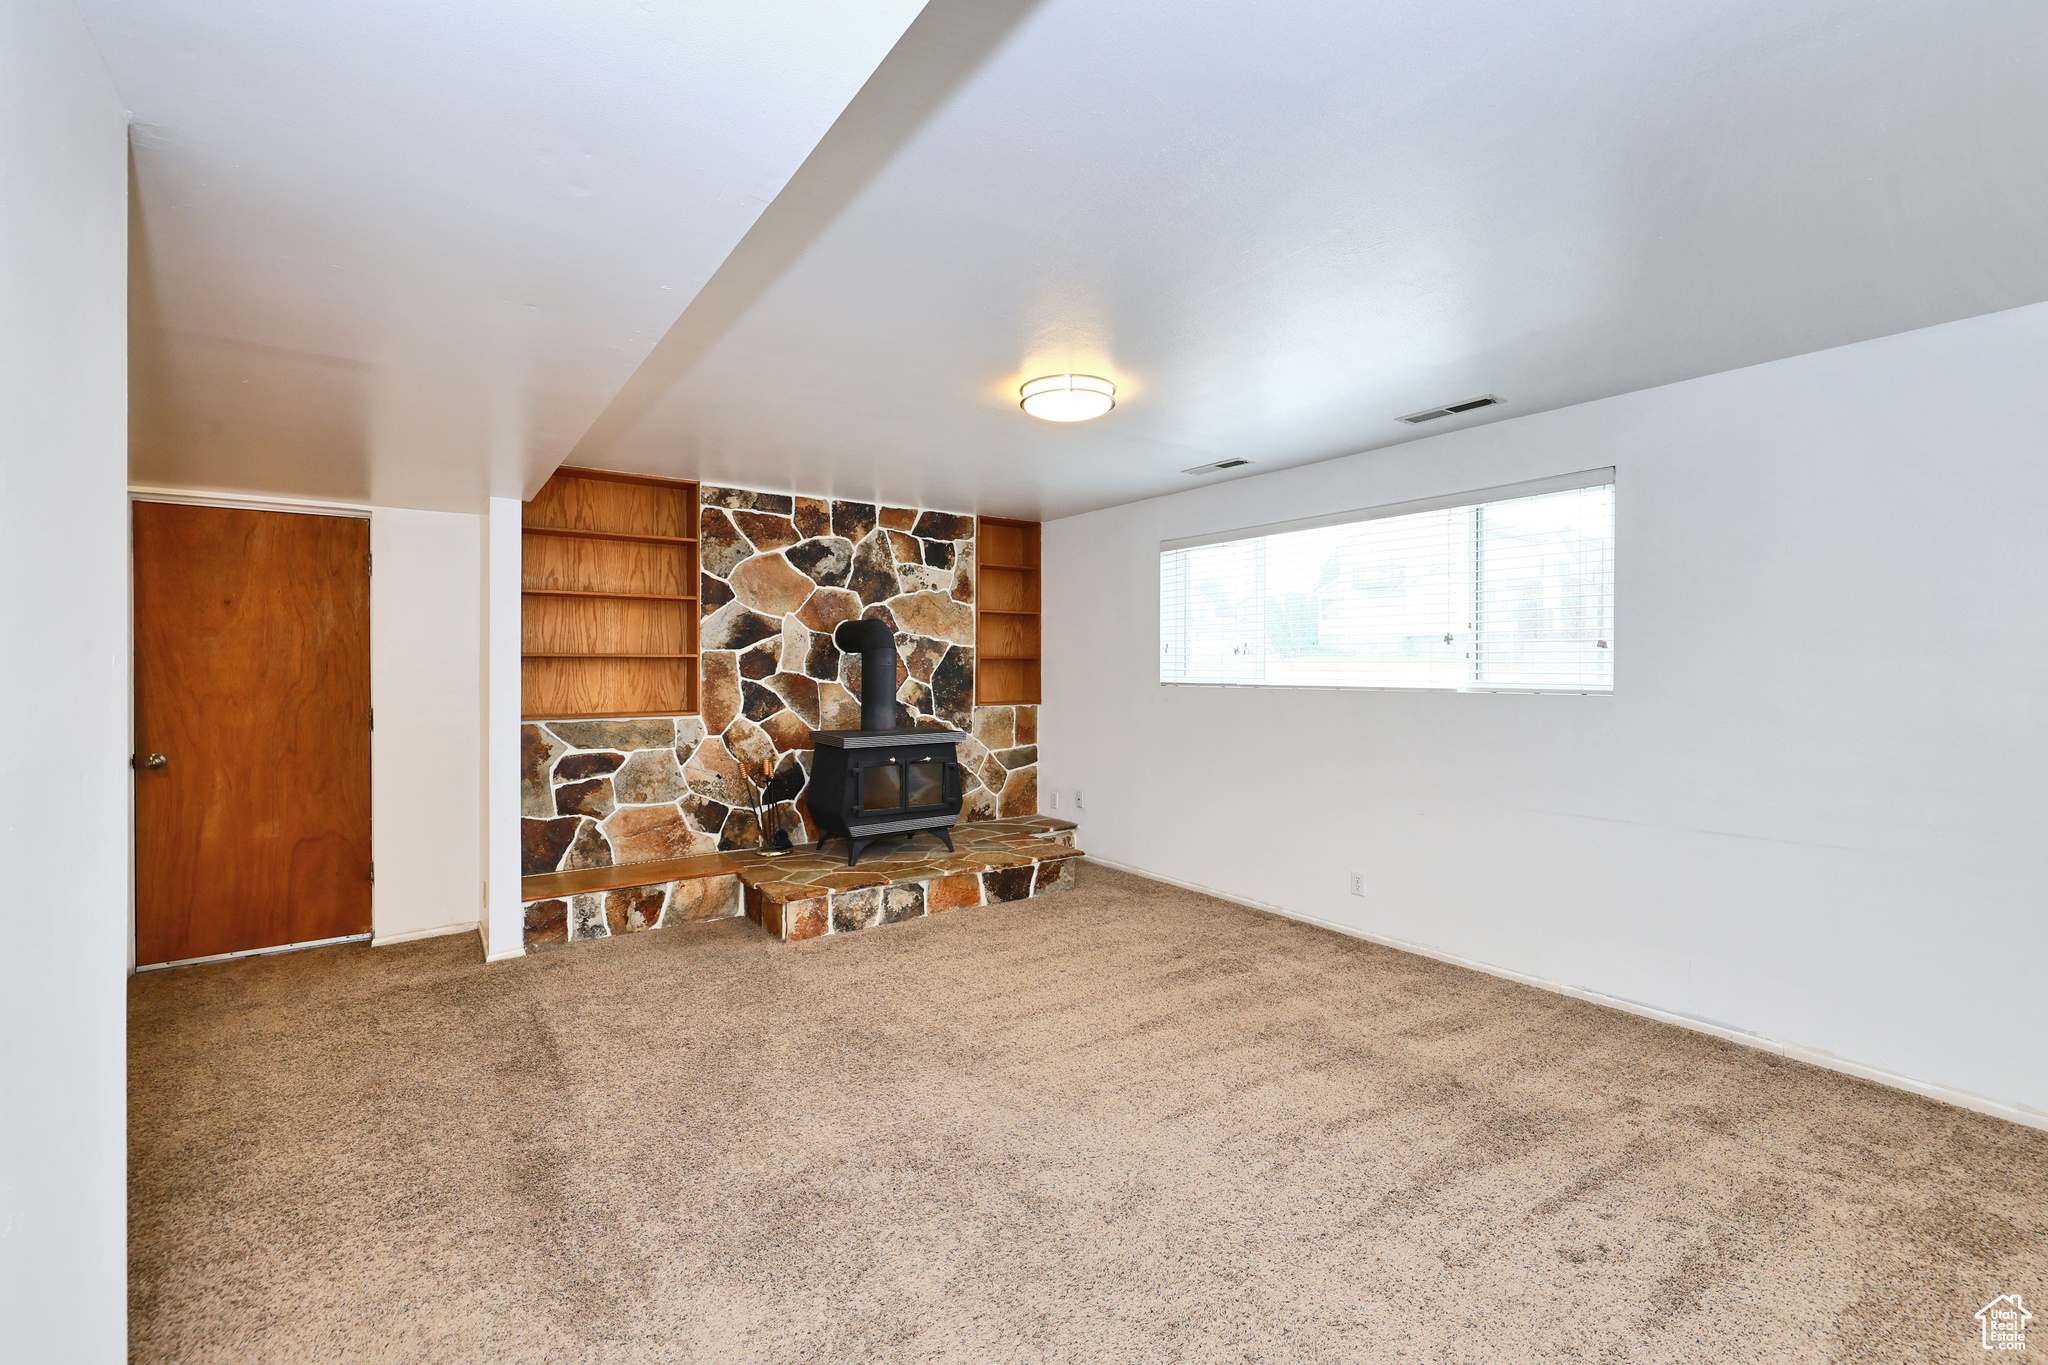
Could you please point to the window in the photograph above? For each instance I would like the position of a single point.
(1510, 589)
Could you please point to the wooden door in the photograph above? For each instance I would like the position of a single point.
(252, 680)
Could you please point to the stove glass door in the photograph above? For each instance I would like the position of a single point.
(927, 782)
(881, 787)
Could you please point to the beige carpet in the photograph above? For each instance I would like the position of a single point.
(1127, 1123)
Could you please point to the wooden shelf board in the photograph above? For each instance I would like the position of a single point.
(633, 596)
(1021, 568)
(560, 654)
(572, 533)
(995, 611)
(607, 715)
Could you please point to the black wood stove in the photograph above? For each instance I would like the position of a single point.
(880, 779)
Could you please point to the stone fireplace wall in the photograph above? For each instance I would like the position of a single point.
(780, 572)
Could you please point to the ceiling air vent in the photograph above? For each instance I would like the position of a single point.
(1216, 467)
(1431, 414)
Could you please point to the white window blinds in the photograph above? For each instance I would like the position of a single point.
(1500, 592)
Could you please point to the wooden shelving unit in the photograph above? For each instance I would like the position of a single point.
(609, 625)
(1006, 612)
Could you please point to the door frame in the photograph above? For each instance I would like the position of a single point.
(248, 503)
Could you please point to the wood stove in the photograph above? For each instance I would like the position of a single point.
(882, 779)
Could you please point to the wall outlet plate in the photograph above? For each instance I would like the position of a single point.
(1358, 883)
(1077, 798)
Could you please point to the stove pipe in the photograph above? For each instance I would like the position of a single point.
(877, 646)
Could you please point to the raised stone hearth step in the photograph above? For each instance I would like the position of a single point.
(1044, 826)
(811, 893)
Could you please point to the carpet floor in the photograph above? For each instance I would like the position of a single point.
(1124, 1123)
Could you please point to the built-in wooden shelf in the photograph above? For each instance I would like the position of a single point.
(1006, 642)
(578, 533)
(610, 614)
(624, 596)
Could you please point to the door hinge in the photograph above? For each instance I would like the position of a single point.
(373, 718)
(373, 872)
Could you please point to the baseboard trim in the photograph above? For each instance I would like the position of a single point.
(518, 948)
(459, 927)
(251, 952)
(2024, 1115)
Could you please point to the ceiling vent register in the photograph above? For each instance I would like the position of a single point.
(1216, 466)
(1414, 419)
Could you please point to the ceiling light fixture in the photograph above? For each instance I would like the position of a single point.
(1068, 397)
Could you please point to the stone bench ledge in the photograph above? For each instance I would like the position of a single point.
(549, 885)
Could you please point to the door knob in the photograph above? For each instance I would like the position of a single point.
(154, 761)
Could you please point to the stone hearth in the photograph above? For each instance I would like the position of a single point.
(810, 893)
(692, 891)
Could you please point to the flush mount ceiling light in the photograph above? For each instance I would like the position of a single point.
(1068, 397)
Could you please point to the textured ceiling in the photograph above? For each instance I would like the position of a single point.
(415, 254)
(405, 253)
(1280, 226)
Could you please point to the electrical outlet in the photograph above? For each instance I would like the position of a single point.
(1358, 883)
(1077, 798)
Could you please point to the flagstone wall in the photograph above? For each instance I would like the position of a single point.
(780, 572)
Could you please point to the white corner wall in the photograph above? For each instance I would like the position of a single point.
(64, 787)
(503, 922)
(426, 750)
(1812, 814)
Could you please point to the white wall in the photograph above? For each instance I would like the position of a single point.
(503, 922)
(1813, 810)
(426, 751)
(64, 777)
